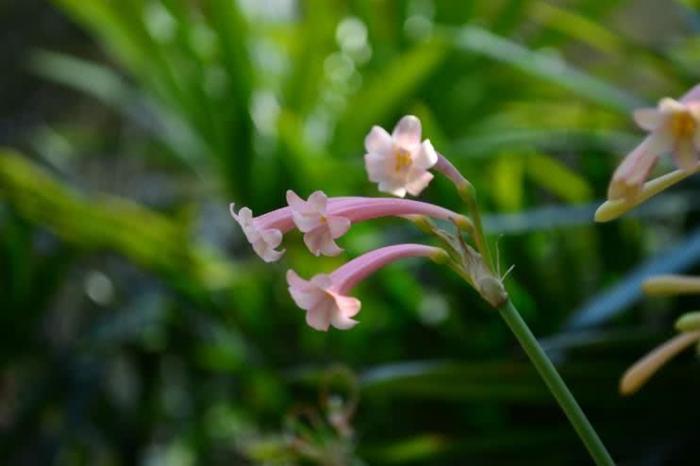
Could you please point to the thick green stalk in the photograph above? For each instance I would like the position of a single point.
(556, 385)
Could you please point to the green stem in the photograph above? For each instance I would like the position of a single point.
(466, 192)
(556, 385)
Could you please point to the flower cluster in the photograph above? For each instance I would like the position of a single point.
(674, 128)
(400, 164)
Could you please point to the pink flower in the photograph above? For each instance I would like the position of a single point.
(323, 220)
(674, 127)
(263, 237)
(400, 162)
(319, 227)
(324, 297)
(324, 306)
(265, 232)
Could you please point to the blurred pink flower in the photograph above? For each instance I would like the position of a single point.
(399, 162)
(674, 127)
(324, 297)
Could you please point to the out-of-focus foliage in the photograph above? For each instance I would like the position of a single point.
(138, 327)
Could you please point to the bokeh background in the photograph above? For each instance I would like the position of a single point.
(137, 326)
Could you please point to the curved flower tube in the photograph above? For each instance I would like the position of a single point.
(637, 375)
(324, 297)
(323, 220)
(674, 127)
(265, 232)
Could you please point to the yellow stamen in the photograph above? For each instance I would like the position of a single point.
(403, 159)
(683, 125)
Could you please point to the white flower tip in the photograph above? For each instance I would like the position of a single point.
(669, 103)
(378, 140)
(407, 131)
(428, 154)
(409, 122)
(293, 199)
(273, 255)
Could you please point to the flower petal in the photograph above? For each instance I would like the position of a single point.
(319, 316)
(306, 216)
(342, 322)
(378, 141)
(344, 308)
(272, 236)
(347, 305)
(391, 187)
(668, 105)
(648, 118)
(376, 166)
(322, 281)
(306, 294)
(418, 182)
(425, 157)
(660, 141)
(337, 225)
(684, 154)
(316, 239)
(266, 253)
(295, 281)
(318, 202)
(330, 248)
(407, 131)
(630, 175)
(294, 201)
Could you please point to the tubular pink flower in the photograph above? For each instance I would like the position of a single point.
(263, 237)
(445, 167)
(320, 228)
(322, 221)
(399, 162)
(265, 232)
(674, 127)
(324, 297)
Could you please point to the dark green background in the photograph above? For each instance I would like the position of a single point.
(138, 327)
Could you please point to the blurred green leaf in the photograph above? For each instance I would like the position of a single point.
(558, 178)
(106, 222)
(376, 100)
(544, 66)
